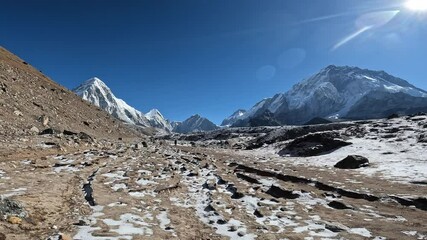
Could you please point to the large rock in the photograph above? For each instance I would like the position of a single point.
(352, 162)
(313, 144)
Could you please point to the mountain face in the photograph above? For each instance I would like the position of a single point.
(157, 120)
(96, 91)
(195, 123)
(337, 92)
(235, 116)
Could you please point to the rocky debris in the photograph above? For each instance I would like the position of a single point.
(9, 207)
(352, 162)
(69, 133)
(338, 205)
(335, 227)
(44, 120)
(313, 144)
(18, 113)
(48, 131)
(85, 137)
(277, 192)
(34, 130)
(422, 138)
(14, 220)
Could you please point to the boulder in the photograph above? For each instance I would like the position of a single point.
(338, 205)
(18, 113)
(352, 162)
(48, 131)
(422, 138)
(14, 220)
(314, 144)
(34, 130)
(9, 207)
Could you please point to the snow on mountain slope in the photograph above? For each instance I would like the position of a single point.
(330, 93)
(231, 119)
(98, 93)
(157, 120)
(195, 123)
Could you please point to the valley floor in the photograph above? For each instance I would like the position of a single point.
(123, 191)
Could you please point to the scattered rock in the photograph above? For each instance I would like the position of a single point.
(334, 228)
(69, 133)
(338, 205)
(314, 144)
(48, 131)
(64, 236)
(18, 113)
(221, 222)
(14, 220)
(12, 208)
(352, 162)
(85, 137)
(277, 192)
(258, 214)
(34, 130)
(44, 120)
(422, 138)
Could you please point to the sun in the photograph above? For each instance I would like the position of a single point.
(416, 5)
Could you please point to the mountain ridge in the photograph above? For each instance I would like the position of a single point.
(330, 93)
(95, 91)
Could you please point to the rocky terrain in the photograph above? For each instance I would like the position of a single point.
(69, 170)
(248, 183)
(30, 102)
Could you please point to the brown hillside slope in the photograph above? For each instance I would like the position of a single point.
(28, 98)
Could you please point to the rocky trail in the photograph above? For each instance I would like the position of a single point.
(162, 191)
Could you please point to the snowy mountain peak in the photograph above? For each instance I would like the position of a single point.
(233, 117)
(333, 91)
(195, 123)
(94, 90)
(157, 120)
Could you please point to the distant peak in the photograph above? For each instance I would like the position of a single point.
(93, 80)
(196, 116)
(154, 112)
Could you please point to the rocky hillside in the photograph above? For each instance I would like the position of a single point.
(195, 123)
(337, 93)
(31, 102)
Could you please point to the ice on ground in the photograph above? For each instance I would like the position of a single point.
(128, 225)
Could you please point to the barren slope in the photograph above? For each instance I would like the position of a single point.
(28, 98)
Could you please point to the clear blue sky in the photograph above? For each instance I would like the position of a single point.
(211, 56)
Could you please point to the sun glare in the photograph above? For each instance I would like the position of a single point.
(416, 5)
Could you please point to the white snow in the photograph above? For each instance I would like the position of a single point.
(98, 93)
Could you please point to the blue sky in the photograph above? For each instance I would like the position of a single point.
(211, 57)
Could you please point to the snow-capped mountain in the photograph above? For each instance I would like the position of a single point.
(157, 120)
(98, 93)
(231, 119)
(335, 92)
(195, 123)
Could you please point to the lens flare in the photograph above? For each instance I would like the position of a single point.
(416, 5)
